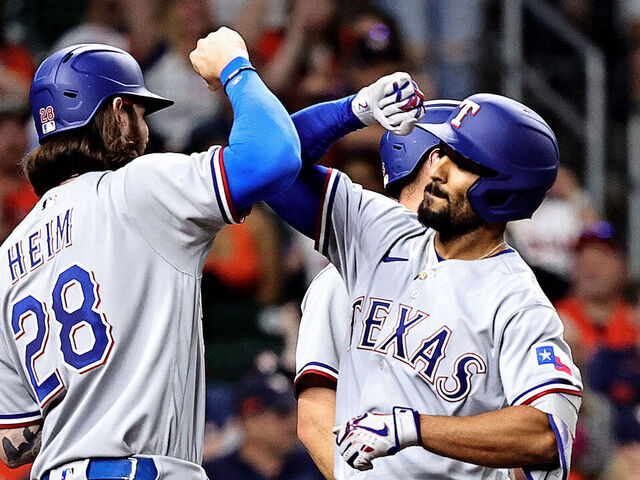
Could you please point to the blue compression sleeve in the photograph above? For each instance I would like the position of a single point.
(263, 155)
(320, 125)
(298, 205)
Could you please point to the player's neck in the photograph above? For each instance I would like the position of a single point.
(483, 242)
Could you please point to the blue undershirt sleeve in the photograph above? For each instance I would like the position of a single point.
(263, 155)
(320, 125)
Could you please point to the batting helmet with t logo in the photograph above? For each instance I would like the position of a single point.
(511, 140)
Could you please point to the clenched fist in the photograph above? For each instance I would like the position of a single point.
(214, 52)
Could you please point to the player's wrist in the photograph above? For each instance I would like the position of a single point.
(233, 69)
(407, 425)
(362, 108)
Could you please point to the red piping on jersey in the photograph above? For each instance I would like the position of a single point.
(317, 372)
(21, 425)
(553, 390)
(321, 207)
(225, 185)
(312, 372)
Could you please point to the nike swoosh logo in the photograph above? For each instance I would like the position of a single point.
(383, 432)
(389, 259)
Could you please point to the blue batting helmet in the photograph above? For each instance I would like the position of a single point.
(71, 84)
(401, 155)
(511, 140)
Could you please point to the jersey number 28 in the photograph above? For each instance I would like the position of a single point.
(74, 312)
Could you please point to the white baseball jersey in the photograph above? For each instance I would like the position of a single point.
(444, 337)
(100, 295)
(324, 327)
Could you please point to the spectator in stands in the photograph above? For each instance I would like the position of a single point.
(297, 52)
(547, 240)
(616, 373)
(371, 47)
(16, 195)
(163, 33)
(242, 276)
(100, 25)
(595, 313)
(16, 68)
(245, 260)
(268, 451)
(444, 38)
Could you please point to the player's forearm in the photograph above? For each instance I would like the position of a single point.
(263, 155)
(511, 437)
(19, 446)
(319, 126)
(316, 413)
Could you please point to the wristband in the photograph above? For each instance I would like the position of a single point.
(233, 68)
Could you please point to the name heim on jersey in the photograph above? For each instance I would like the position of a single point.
(39, 246)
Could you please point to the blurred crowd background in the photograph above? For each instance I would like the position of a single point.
(308, 51)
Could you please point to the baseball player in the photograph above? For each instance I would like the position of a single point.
(101, 352)
(323, 334)
(455, 366)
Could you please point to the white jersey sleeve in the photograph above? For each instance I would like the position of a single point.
(357, 227)
(18, 407)
(323, 328)
(177, 202)
(537, 369)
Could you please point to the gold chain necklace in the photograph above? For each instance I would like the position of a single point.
(493, 250)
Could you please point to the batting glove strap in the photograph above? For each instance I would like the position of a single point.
(394, 101)
(373, 435)
(407, 427)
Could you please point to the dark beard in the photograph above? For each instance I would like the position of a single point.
(455, 219)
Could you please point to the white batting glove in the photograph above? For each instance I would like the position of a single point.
(394, 101)
(374, 435)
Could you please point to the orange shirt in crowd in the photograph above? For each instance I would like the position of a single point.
(235, 259)
(618, 332)
(21, 473)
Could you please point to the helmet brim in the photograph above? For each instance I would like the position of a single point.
(152, 102)
(443, 131)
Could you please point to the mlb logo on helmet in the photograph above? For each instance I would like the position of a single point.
(47, 116)
(547, 355)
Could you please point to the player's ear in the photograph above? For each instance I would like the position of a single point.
(433, 157)
(119, 112)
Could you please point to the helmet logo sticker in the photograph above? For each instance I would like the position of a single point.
(47, 116)
(465, 107)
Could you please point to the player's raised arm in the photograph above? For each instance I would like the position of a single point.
(263, 155)
(394, 101)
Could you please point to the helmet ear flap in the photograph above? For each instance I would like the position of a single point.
(402, 155)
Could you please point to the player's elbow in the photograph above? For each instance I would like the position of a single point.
(19, 446)
(283, 166)
(14, 461)
(287, 156)
(543, 450)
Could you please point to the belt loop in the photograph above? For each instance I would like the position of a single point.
(134, 467)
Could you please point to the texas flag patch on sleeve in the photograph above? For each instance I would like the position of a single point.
(546, 355)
